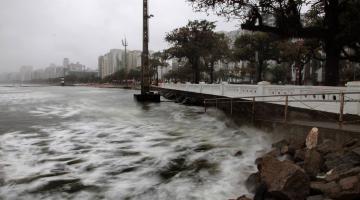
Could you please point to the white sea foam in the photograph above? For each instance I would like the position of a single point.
(113, 148)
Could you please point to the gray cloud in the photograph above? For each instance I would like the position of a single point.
(39, 32)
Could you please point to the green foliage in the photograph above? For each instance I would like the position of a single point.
(122, 75)
(334, 23)
(256, 48)
(180, 74)
(278, 73)
(196, 42)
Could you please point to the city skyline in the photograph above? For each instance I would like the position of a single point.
(96, 26)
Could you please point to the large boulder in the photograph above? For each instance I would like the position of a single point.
(335, 175)
(283, 179)
(280, 144)
(313, 162)
(330, 189)
(346, 189)
(299, 155)
(243, 198)
(253, 182)
(354, 142)
(296, 144)
(328, 146)
(350, 188)
(341, 162)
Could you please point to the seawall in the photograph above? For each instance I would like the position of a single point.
(271, 117)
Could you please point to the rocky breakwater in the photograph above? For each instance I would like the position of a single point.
(307, 170)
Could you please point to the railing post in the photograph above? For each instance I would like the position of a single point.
(231, 106)
(341, 113)
(253, 109)
(205, 105)
(286, 108)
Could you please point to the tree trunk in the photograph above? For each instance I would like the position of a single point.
(196, 69)
(259, 71)
(332, 64)
(212, 72)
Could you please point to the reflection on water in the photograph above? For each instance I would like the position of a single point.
(88, 143)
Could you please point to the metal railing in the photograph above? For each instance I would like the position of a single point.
(289, 98)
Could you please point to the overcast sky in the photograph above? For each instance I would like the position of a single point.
(40, 32)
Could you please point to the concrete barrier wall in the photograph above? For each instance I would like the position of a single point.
(265, 89)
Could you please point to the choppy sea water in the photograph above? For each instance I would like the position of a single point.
(90, 143)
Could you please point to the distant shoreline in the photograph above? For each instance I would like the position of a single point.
(96, 85)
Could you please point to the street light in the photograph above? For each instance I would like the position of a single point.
(146, 95)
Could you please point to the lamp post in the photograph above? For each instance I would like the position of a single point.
(146, 95)
(125, 44)
(145, 72)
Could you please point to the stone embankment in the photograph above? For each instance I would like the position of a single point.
(307, 170)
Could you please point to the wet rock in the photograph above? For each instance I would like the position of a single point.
(126, 153)
(174, 167)
(284, 180)
(280, 144)
(312, 138)
(67, 185)
(261, 192)
(168, 95)
(238, 153)
(122, 170)
(351, 142)
(179, 99)
(284, 150)
(331, 189)
(295, 145)
(190, 101)
(204, 147)
(334, 175)
(328, 146)
(316, 197)
(186, 101)
(347, 189)
(273, 153)
(340, 162)
(299, 155)
(313, 162)
(36, 177)
(253, 182)
(202, 164)
(349, 183)
(333, 160)
(356, 151)
(243, 198)
(75, 161)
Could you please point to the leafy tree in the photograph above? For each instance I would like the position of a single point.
(336, 23)
(256, 48)
(278, 73)
(135, 73)
(218, 51)
(298, 52)
(157, 59)
(182, 74)
(191, 42)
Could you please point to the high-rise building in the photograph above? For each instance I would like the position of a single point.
(111, 62)
(66, 62)
(25, 73)
(101, 66)
(134, 59)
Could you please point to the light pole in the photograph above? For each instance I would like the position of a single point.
(145, 74)
(146, 95)
(125, 44)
